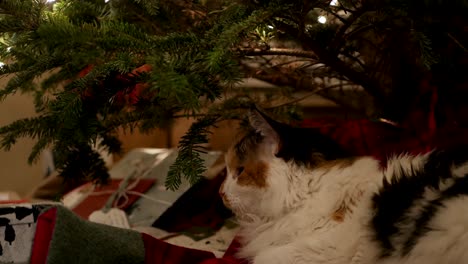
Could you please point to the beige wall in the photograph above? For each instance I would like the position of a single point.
(15, 173)
(220, 139)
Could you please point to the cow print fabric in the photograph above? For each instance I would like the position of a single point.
(17, 229)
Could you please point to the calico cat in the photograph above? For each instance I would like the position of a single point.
(300, 198)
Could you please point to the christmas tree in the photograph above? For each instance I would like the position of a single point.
(94, 66)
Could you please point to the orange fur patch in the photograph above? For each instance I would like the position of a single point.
(340, 213)
(346, 208)
(254, 175)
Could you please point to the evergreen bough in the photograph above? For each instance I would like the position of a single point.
(94, 66)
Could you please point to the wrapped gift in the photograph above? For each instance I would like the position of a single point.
(135, 165)
(98, 197)
(145, 211)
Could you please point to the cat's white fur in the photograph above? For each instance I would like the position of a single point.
(291, 219)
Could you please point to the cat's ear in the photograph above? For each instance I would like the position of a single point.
(265, 126)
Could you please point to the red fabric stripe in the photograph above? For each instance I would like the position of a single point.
(157, 251)
(44, 229)
(15, 201)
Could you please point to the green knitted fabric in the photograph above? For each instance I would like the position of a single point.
(75, 240)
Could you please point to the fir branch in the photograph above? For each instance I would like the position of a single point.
(110, 142)
(349, 23)
(58, 77)
(279, 52)
(38, 148)
(80, 162)
(195, 57)
(457, 42)
(296, 100)
(231, 35)
(126, 120)
(355, 59)
(334, 14)
(68, 106)
(189, 163)
(20, 16)
(427, 55)
(38, 127)
(330, 58)
(151, 6)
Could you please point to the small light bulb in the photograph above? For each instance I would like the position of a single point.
(106, 1)
(50, 1)
(270, 26)
(334, 3)
(322, 19)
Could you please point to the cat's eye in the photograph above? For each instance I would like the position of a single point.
(239, 170)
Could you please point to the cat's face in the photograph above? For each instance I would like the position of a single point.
(248, 182)
(261, 164)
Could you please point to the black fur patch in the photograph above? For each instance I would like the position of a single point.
(302, 144)
(247, 143)
(392, 203)
(460, 187)
(305, 146)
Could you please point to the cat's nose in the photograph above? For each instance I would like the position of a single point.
(220, 191)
